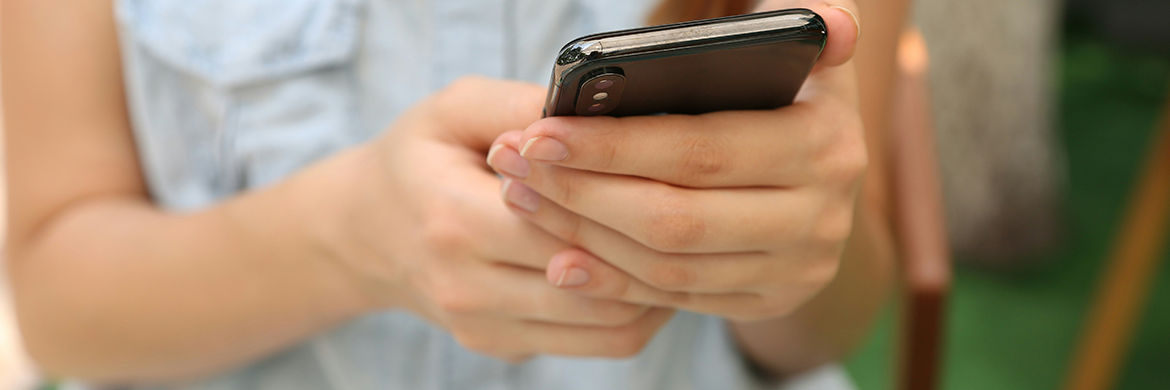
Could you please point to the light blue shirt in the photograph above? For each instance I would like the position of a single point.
(231, 95)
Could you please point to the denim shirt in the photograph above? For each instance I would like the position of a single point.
(231, 95)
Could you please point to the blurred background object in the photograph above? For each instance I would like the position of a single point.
(1109, 82)
(1125, 283)
(1139, 249)
(991, 67)
(1132, 24)
(919, 223)
(992, 87)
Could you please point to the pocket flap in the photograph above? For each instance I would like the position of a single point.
(235, 42)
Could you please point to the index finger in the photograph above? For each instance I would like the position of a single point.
(763, 148)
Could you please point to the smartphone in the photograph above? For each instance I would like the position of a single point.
(744, 62)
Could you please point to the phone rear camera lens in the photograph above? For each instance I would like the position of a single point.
(596, 107)
(603, 84)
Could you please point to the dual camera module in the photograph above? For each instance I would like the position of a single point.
(600, 92)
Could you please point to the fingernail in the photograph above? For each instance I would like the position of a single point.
(545, 149)
(573, 277)
(520, 195)
(851, 15)
(505, 160)
(492, 153)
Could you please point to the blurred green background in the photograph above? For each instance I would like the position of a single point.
(1017, 330)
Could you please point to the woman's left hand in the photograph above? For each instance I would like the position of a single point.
(740, 214)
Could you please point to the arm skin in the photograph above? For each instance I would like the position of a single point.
(831, 325)
(103, 280)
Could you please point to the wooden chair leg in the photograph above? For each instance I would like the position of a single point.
(920, 222)
(1127, 280)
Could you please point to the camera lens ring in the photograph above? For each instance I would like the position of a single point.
(600, 91)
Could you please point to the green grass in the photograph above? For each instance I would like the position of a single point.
(1017, 331)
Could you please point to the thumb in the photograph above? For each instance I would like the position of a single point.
(841, 21)
(473, 111)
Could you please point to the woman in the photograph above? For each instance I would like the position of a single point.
(203, 195)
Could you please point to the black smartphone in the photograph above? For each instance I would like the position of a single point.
(743, 62)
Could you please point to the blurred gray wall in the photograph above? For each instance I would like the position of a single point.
(992, 69)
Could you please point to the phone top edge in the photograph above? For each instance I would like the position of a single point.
(754, 28)
(805, 12)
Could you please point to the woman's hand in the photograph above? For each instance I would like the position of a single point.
(738, 214)
(424, 230)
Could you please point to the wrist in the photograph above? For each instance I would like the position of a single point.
(339, 204)
(300, 226)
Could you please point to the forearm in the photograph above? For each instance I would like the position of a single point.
(115, 290)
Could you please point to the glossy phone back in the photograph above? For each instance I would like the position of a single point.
(744, 62)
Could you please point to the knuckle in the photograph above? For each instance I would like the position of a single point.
(564, 188)
(669, 276)
(543, 128)
(674, 232)
(858, 164)
(677, 299)
(835, 226)
(611, 148)
(851, 167)
(549, 127)
(702, 157)
(571, 230)
(444, 233)
(674, 226)
(848, 159)
(456, 300)
(620, 288)
(784, 301)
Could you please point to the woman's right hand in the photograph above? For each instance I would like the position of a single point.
(422, 228)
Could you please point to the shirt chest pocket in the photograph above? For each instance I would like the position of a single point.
(236, 94)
